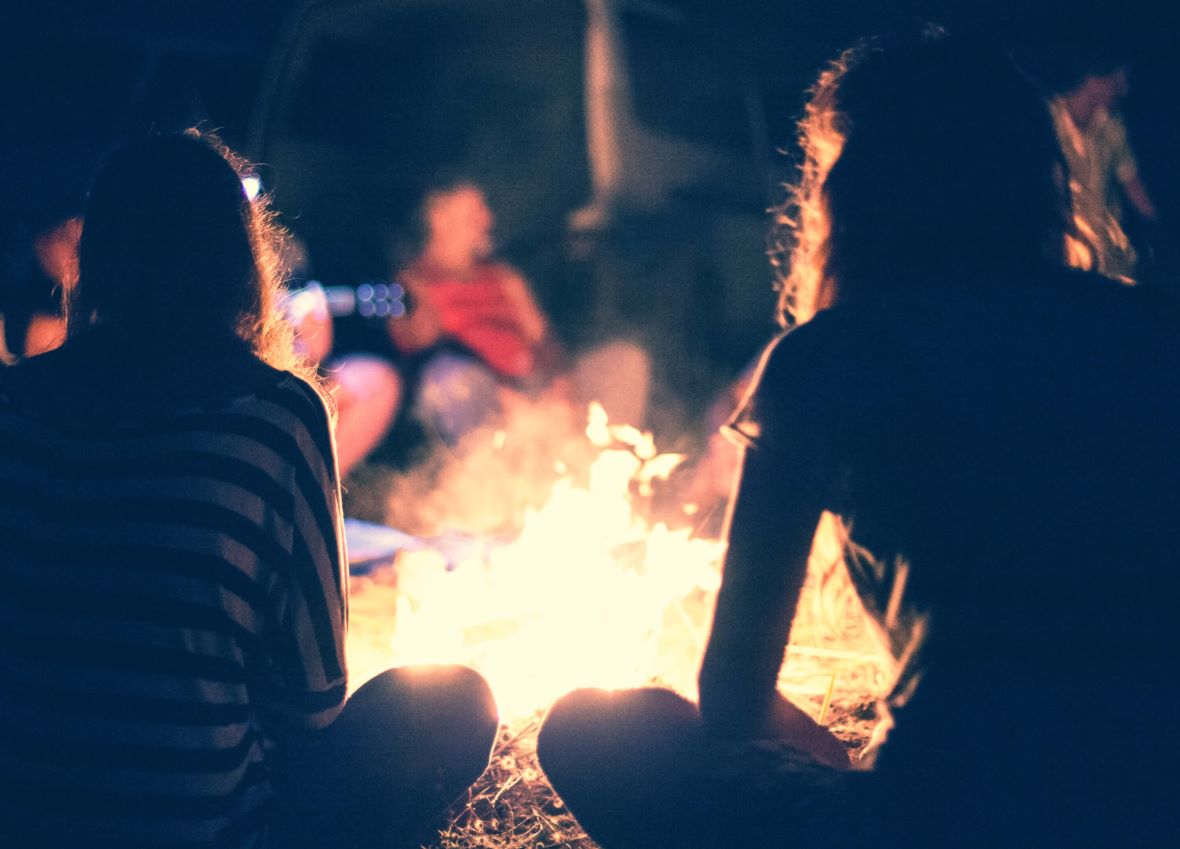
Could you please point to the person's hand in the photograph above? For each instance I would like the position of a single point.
(421, 326)
(790, 724)
(307, 312)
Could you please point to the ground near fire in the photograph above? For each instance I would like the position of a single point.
(554, 553)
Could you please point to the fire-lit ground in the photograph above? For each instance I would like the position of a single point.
(555, 573)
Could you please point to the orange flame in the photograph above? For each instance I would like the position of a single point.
(592, 594)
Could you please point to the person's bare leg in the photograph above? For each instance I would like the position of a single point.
(619, 760)
(368, 391)
(409, 742)
(638, 771)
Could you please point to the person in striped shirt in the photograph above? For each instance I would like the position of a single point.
(172, 666)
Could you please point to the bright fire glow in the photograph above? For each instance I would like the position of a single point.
(581, 598)
(252, 186)
(592, 594)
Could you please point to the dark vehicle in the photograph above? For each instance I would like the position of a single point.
(624, 147)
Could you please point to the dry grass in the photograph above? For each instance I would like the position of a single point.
(512, 806)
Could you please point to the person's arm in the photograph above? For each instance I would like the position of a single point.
(307, 311)
(776, 506)
(1137, 194)
(310, 601)
(770, 530)
(550, 356)
(1126, 170)
(528, 314)
(420, 327)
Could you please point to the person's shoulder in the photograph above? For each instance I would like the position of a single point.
(834, 328)
(810, 351)
(27, 380)
(505, 267)
(503, 272)
(828, 322)
(291, 403)
(283, 404)
(1109, 124)
(287, 390)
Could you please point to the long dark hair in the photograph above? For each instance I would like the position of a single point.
(174, 253)
(927, 162)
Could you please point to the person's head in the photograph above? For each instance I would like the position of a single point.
(456, 224)
(1100, 89)
(173, 252)
(927, 163)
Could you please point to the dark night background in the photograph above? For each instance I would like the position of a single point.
(76, 77)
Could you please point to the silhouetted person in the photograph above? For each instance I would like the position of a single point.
(1001, 439)
(175, 600)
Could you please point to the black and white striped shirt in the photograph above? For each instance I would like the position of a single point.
(173, 594)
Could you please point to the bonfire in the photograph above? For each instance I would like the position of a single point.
(545, 566)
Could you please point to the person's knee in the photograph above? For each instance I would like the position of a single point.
(459, 691)
(588, 730)
(368, 392)
(432, 691)
(451, 703)
(368, 381)
(383, 380)
(568, 714)
(564, 744)
(456, 706)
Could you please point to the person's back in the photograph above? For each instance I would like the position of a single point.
(1019, 446)
(175, 589)
(172, 635)
(165, 539)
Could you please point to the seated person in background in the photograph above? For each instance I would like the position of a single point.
(1000, 438)
(176, 590)
(478, 332)
(366, 389)
(1102, 168)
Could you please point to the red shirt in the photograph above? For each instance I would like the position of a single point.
(480, 313)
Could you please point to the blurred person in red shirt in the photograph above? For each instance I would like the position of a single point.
(478, 334)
